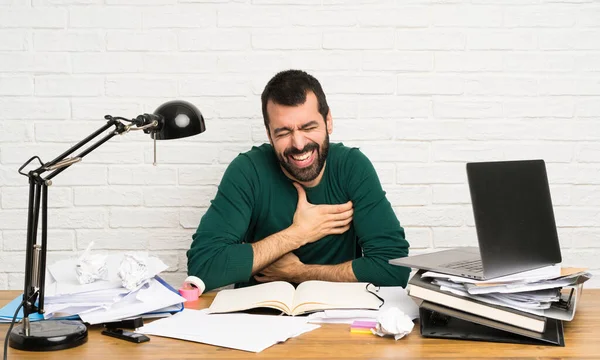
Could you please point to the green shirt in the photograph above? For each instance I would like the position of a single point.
(255, 199)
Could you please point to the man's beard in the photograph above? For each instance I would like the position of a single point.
(311, 172)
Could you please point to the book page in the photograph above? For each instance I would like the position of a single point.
(276, 295)
(320, 295)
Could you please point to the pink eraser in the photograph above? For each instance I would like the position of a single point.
(189, 293)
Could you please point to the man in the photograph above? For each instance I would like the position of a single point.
(299, 208)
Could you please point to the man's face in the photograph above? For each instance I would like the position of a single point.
(300, 138)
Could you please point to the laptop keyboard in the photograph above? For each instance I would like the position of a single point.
(471, 265)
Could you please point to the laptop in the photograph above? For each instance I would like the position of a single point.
(514, 219)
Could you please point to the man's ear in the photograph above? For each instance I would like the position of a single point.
(329, 122)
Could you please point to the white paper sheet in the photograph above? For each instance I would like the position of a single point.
(521, 287)
(497, 301)
(236, 331)
(547, 272)
(337, 320)
(65, 310)
(147, 299)
(394, 296)
(105, 296)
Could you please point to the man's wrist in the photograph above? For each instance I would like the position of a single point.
(300, 273)
(294, 237)
(340, 273)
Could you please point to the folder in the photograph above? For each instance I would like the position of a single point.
(424, 289)
(437, 321)
(8, 311)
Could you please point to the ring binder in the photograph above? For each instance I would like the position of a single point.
(562, 303)
(438, 321)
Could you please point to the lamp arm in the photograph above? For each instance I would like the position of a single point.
(35, 255)
(66, 164)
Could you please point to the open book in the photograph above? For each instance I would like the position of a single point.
(308, 297)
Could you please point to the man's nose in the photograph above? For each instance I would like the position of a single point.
(298, 140)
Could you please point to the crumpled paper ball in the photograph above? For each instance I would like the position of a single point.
(133, 271)
(393, 321)
(90, 268)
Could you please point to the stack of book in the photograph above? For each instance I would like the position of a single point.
(518, 309)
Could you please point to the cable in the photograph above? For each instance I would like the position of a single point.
(12, 323)
(110, 117)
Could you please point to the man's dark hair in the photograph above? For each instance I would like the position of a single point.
(289, 88)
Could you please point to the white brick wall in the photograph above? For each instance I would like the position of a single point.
(422, 86)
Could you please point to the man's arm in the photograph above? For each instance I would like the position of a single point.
(378, 230)
(311, 223)
(290, 268)
(379, 234)
(217, 254)
(271, 248)
(340, 272)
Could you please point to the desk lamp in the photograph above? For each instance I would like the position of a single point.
(172, 120)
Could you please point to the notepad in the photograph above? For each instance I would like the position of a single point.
(308, 297)
(363, 327)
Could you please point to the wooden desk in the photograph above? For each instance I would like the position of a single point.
(334, 341)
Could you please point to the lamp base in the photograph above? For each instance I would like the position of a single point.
(49, 335)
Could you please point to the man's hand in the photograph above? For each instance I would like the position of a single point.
(313, 222)
(284, 269)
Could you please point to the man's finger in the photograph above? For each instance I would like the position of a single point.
(334, 209)
(264, 279)
(340, 223)
(301, 194)
(339, 230)
(341, 216)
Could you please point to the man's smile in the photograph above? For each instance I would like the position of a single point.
(304, 159)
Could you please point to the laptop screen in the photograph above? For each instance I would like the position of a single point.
(513, 215)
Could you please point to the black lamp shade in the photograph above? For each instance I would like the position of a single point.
(178, 119)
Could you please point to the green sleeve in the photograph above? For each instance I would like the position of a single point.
(378, 230)
(218, 255)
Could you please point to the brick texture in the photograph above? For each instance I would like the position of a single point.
(422, 87)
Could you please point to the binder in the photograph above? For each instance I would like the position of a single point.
(168, 310)
(437, 321)
(424, 289)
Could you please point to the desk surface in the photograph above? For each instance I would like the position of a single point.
(334, 341)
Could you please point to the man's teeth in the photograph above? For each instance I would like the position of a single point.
(302, 157)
